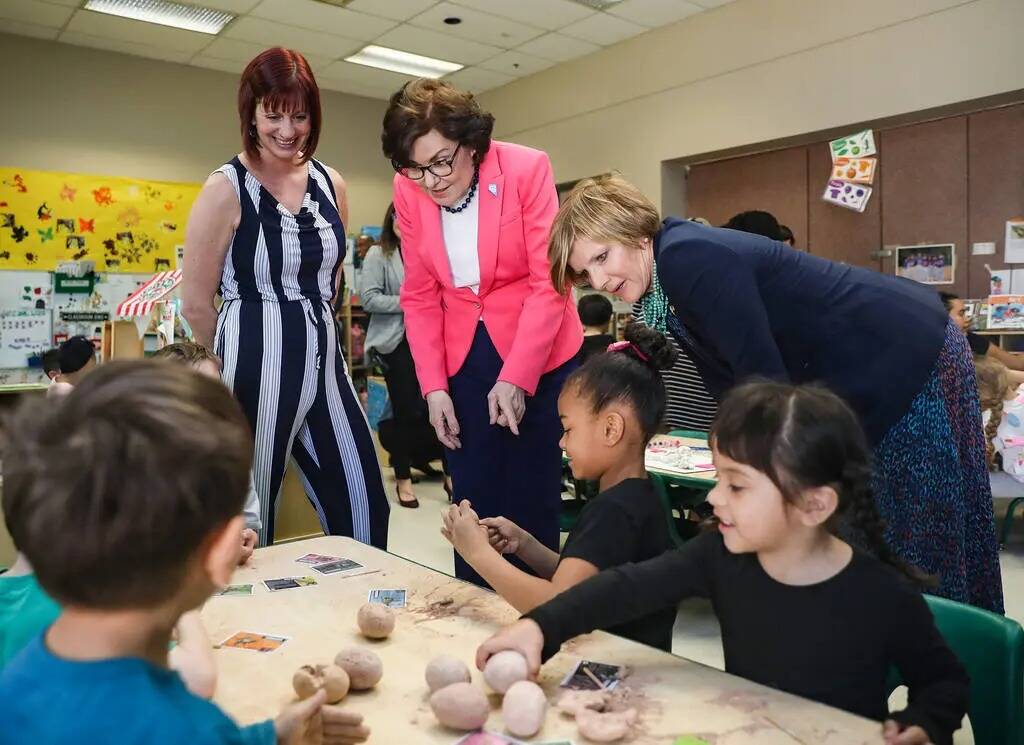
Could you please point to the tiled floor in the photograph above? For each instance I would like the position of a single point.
(415, 534)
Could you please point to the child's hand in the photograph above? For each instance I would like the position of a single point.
(300, 723)
(463, 530)
(896, 734)
(524, 636)
(249, 541)
(505, 536)
(343, 727)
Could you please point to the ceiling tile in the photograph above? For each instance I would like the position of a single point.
(136, 33)
(232, 49)
(476, 79)
(476, 26)
(237, 7)
(235, 67)
(603, 29)
(558, 48)
(272, 33)
(441, 46)
(138, 49)
(30, 29)
(654, 13)
(516, 64)
(364, 76)
(31, 11)
(324, 18)
(66, 3)
(711, 3)
(398, 10)
(548, 14)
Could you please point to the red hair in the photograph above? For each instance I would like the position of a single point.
(281, 80)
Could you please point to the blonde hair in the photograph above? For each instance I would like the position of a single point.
(606, 209)
(993, 384)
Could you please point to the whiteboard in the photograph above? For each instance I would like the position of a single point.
(23, 333)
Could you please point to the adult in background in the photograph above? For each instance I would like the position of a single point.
(380, 281)
(492, 340)
(267, 233)
(746, 306)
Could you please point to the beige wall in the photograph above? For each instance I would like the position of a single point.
(76, 109)
(758, 70)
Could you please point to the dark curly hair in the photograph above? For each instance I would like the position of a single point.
(803, 437)
(425, 104)
(631, 375)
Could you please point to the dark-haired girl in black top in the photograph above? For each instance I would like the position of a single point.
(609, 408)
(800, 610)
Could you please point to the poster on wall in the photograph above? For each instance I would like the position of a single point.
(122, 224)
(859, 145)
(1015, 241)
(1006, 312)
(929, 265)
(855, 170)
(851, 196)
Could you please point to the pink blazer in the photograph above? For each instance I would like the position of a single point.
(533, 328)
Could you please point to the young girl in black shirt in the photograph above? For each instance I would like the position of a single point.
(800, 609)
(610, 407)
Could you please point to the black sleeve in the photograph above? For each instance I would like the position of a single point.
(606, 536)
(627, 592)
(939, 689)
(979, 344)
(721, 294)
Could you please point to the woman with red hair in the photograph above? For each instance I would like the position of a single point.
(267, 233)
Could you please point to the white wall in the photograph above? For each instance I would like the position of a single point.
(758, 70)
(83, 110)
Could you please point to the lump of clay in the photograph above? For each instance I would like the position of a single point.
(605, 727)
(376, 621)
(504, 669)
(309, 679)
(573, 702)
(460, 706)
(364, 668)
(523, 708)
(444, 670)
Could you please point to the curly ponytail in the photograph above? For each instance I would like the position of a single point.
(993, 382)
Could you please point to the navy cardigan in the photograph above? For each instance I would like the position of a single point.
(748, 306)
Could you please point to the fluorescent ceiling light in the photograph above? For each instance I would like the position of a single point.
(403, 62)
(188, 17)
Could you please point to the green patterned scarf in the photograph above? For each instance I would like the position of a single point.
(655, 304)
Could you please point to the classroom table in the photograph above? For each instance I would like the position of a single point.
(705, 479)
(672, 695)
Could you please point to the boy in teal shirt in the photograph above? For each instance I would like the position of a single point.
(25, 609)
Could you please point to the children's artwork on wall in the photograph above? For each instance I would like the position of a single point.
(1006, 312)
(859, 145)
(124, 225)
(855, 170)
(929, 265)
(23, 334)
(852, 196)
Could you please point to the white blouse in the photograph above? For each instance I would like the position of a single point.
(460, 242)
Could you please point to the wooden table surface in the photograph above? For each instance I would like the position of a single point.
(673, 696)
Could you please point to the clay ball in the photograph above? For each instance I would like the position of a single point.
(460, 706)
(572, 702)
(444, 670)
(604, 727)
(524, 708)
(504, 669)
(376, 621)
(364, 668)
(309, 679)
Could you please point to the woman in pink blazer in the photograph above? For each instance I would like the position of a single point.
(491, 338)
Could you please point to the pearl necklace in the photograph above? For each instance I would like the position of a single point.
(469, 196)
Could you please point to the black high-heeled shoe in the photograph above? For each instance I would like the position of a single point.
(412, 504)
(447, 490)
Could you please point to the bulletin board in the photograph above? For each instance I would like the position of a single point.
(24, 333)
(122, 224)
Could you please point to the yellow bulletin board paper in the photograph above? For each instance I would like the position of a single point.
(123, 224)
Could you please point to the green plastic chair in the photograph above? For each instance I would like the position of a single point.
(991, 648)
(1004, 536)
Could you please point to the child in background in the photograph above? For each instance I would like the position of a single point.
(125, 569)
(800, 609)
(595, 313)
(205, 362)
(1002, 415)
(610, 407)
(76, 358)
(51, 363)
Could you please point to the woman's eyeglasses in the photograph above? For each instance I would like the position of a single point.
(439, 168)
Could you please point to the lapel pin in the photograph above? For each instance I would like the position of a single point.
(493, 188)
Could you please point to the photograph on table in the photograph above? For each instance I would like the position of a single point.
(929, 265)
